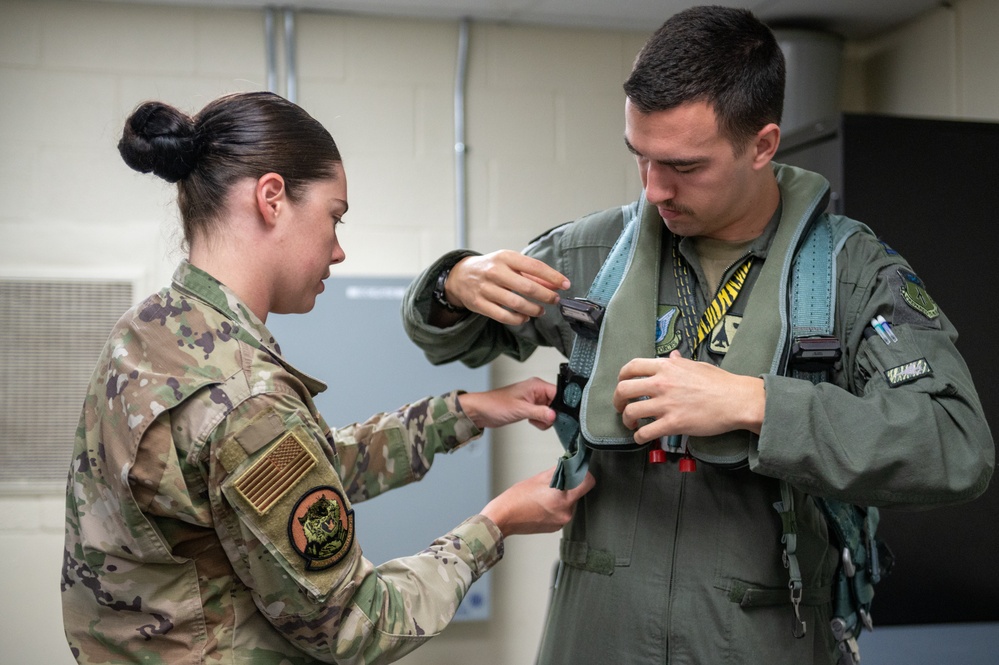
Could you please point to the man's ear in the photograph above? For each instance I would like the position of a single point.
(271, 196)
(765, 145)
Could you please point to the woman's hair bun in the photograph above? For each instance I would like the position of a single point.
(160, 139)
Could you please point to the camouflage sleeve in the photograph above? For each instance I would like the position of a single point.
(288, 528)
(396, 448)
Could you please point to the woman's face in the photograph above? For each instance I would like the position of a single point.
(311, 244)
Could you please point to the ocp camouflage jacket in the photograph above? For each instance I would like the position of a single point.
(208, 506)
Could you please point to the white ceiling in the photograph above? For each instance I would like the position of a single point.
(853, 19)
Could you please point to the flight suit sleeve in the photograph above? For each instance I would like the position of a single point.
(287, 524)
(475, 340)
(577, 250)
(902, 424)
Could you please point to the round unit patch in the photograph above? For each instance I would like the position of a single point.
(320, 528)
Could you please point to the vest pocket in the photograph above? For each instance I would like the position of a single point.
(601, 534)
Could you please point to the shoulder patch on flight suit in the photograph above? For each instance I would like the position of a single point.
(888, 250)
(908, 372)
(270, 477)
(321, 527)
(915, 295)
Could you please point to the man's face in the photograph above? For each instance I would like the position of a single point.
(693, 175)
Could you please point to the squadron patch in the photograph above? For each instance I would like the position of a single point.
(914, 293)
(724, 333)
(321, 529)
(667, 337)
(908, 372)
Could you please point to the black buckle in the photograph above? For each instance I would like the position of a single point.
(583, 316)
(567, 378)
(814, 354)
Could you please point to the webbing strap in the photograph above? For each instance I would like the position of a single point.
(790, 540)
(811, 314)
(813, 297)
(571, 467)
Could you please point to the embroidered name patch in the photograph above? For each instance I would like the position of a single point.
(896, 376)
(321, 529)
(275, 473)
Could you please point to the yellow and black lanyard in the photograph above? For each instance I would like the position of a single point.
(695, 329)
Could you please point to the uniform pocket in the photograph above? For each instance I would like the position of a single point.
(601, 534)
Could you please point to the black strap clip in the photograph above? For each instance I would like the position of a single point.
(815, 354)
(583, 316)
(568, 392)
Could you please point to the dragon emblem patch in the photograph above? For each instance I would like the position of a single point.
(321, 529)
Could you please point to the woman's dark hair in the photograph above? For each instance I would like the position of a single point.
(719, 55)
(243, 135)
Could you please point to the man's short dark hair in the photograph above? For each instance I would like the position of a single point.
(723, 56)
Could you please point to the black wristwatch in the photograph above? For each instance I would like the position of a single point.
(440, 296)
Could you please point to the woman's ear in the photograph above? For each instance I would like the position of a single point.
(271, 197)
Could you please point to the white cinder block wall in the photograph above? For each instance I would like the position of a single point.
(544, 135)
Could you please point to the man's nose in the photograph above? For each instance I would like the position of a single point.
(659, 183)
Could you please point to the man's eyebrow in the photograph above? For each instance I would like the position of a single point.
(689, 161)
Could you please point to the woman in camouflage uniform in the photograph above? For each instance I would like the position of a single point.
(209, 504)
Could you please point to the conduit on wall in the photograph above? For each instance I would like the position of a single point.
(290, 45)
(460, 184)
(291, 94)
(270, 44)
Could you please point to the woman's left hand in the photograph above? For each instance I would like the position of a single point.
(525, 400)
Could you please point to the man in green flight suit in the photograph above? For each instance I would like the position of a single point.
(658, 566)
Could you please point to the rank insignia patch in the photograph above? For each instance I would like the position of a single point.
(914, 293)
(321, 529)
(667, 337)
(897, 376)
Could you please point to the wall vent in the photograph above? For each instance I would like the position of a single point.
(51, 334)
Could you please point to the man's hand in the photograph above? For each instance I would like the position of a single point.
(525, 400)
(532, 506)
(682, 396)
(505, 286)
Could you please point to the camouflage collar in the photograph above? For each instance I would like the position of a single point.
(199, 284)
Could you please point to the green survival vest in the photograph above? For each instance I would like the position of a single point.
(811, 273)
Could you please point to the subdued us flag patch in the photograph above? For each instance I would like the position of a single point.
(275, 473)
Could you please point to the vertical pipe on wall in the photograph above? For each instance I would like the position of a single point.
(289, 53)
(460, 185)
(270, 43)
